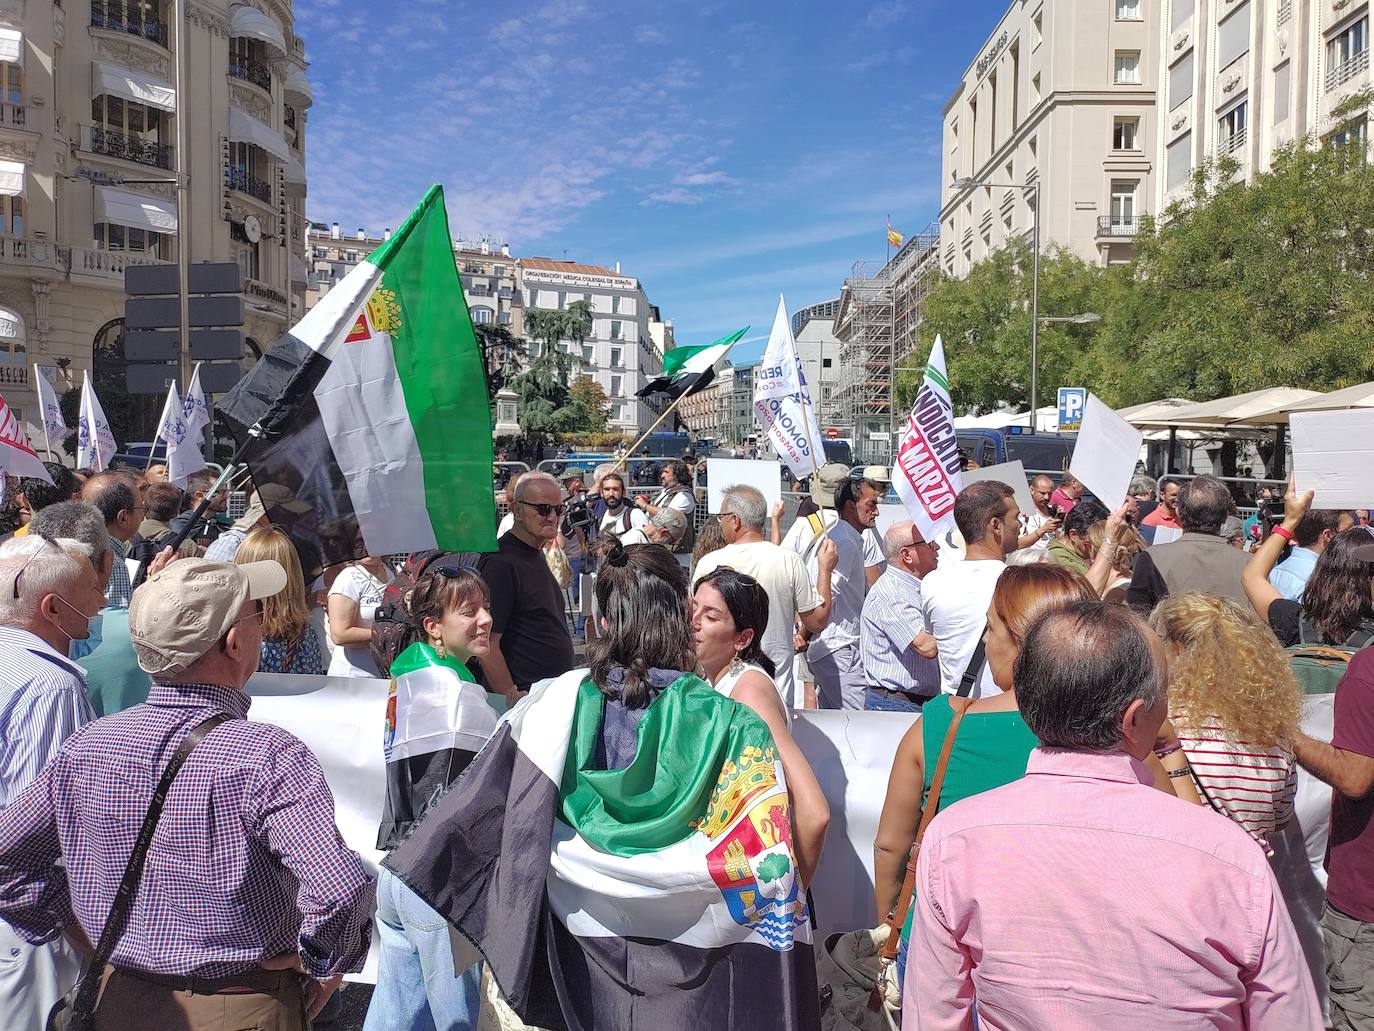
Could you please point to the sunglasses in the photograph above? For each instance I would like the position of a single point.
(544, 510)
(451, 572)
(46, 541)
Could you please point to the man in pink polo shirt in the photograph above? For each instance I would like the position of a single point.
(1079, 896)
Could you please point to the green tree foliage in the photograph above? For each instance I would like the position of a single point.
(546, 401)
(588, 408)
(1237, 287)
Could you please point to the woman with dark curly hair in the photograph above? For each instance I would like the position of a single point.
(1337, 607)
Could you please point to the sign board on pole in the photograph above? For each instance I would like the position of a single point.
(1072, 401)
(1106, 452)
(1333, 455)
(724, 473)
(832, 434)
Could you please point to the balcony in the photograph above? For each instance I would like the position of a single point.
(1232, 144)
(288, 117)
(251, 71)
(1346, 70)
(100, 140)
(238, 179)
(12, 115)
(1285, 13)
(1119, 226)
(149, 28)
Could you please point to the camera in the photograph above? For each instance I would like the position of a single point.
(578, 517)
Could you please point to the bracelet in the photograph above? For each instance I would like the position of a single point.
(1285, 534)
(1179, 773)
(1160, 753)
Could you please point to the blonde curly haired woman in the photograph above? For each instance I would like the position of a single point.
(1235, 707)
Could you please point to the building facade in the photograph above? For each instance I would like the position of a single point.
(813, 328)
(1058, 104)
(1243, 78)
(89, 109)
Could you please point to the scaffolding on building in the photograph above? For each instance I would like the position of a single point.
(879, 312)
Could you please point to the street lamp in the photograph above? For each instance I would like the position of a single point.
(1085, 319)
(968, 183)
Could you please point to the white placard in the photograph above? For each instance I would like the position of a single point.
(1013, 474)
(1333, 455)
(890, 515)
(1106, 452)
(724, 473)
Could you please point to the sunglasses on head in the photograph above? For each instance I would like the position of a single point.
(544, 510)
(46, 541)
(451, 572)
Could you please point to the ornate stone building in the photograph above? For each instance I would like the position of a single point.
(88, 111)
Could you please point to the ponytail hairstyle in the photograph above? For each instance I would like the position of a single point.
(747, 603)
(641, 593)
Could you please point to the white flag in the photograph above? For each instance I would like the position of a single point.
(183, 457)
(17, 456)
(784, 404)
(194, 410)
(95, 443)
(927, 474)
(54, 426)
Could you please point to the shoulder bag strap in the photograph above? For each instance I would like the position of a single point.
(133, 871)
(974, 668)
(897, 917)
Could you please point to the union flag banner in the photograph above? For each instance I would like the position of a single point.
(927, 474)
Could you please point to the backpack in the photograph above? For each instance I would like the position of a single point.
(1319, 667)
(392, 631)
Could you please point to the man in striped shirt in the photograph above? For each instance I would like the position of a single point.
(49, 589)
(898, 648)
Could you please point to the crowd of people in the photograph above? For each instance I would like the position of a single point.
(1076, 831)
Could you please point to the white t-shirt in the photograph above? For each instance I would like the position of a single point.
(954, 601)
(873, 549)
(357, 583)
(1040, 550)
(617, 519)
(678, 498)
(634, 535)
(507, 521)
(847, 583)
(790, 588)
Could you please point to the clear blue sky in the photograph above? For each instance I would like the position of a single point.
(722, 152)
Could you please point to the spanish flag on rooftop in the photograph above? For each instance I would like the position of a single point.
(894, 238)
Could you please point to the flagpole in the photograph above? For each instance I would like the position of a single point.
(666, 412)
(47, 440)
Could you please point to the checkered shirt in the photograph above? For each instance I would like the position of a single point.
(246, 862)
(120, 586)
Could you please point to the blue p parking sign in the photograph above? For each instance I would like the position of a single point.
(1072, 401)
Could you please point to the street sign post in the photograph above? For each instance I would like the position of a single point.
(1072, 401)
(152, 324)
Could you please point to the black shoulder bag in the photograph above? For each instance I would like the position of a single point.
(75, 1011)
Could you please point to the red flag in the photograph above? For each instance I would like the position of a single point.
(17, 456)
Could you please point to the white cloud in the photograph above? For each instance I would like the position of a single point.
(649, 35)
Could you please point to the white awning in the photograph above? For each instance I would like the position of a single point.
(11, 326)
(251, 23)
(12, 46)
(12, 178)
(294, 173)
(137, 210)
(140, 87)
(244, 128)
(297, 88)
(299, 273)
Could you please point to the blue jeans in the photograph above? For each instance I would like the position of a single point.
(885, 701)
(416, 987)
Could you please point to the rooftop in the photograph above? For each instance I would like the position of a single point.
(549, 265)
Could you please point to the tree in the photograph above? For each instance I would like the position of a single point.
(544, 385)
(503, 356)
(588, 408)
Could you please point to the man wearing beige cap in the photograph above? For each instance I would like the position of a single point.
(249, 908)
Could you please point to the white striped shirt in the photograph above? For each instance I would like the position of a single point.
(1255, 787)
(42, 701)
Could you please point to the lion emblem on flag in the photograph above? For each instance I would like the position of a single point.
(752, 861)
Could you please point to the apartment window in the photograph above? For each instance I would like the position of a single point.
(954, 129)
(629, 306)
(1123, 202)
(1126, 70)
(249, 259)
(1231, 130)
(616, 383)
(110, 237)
(973, 131)
(615, 329)
(1006, 224)
(1035, 89)
(1355, 132)
(1128, 10)
(481, 316)
(1180, 14)
(11, 216)
(1124, 133)
(12, 84)
(1347, 53)
(1282, 87)
(1006, 171)
(587, 353)
(1015, 86)
(617, 357)
(1179, 161)
(992, 85)
(1233, 36)
(503, 318)
(1037, 33)
(1285, 13)
(1181, 81)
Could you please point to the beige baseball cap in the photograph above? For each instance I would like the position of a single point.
(255, 511)
(181, 612)
(826, 482)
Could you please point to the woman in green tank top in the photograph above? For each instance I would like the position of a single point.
(993, 741)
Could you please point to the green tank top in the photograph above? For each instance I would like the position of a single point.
(990, 750)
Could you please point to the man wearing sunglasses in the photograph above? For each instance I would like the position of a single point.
(530, 640)
(48, 590)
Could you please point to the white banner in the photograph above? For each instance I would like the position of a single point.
(341, 720)
(54, 427)
(926, 474)
(783, 402)
(182, 457)
(95, 443)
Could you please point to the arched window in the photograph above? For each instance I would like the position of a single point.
(14, 357)
(481, 316)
